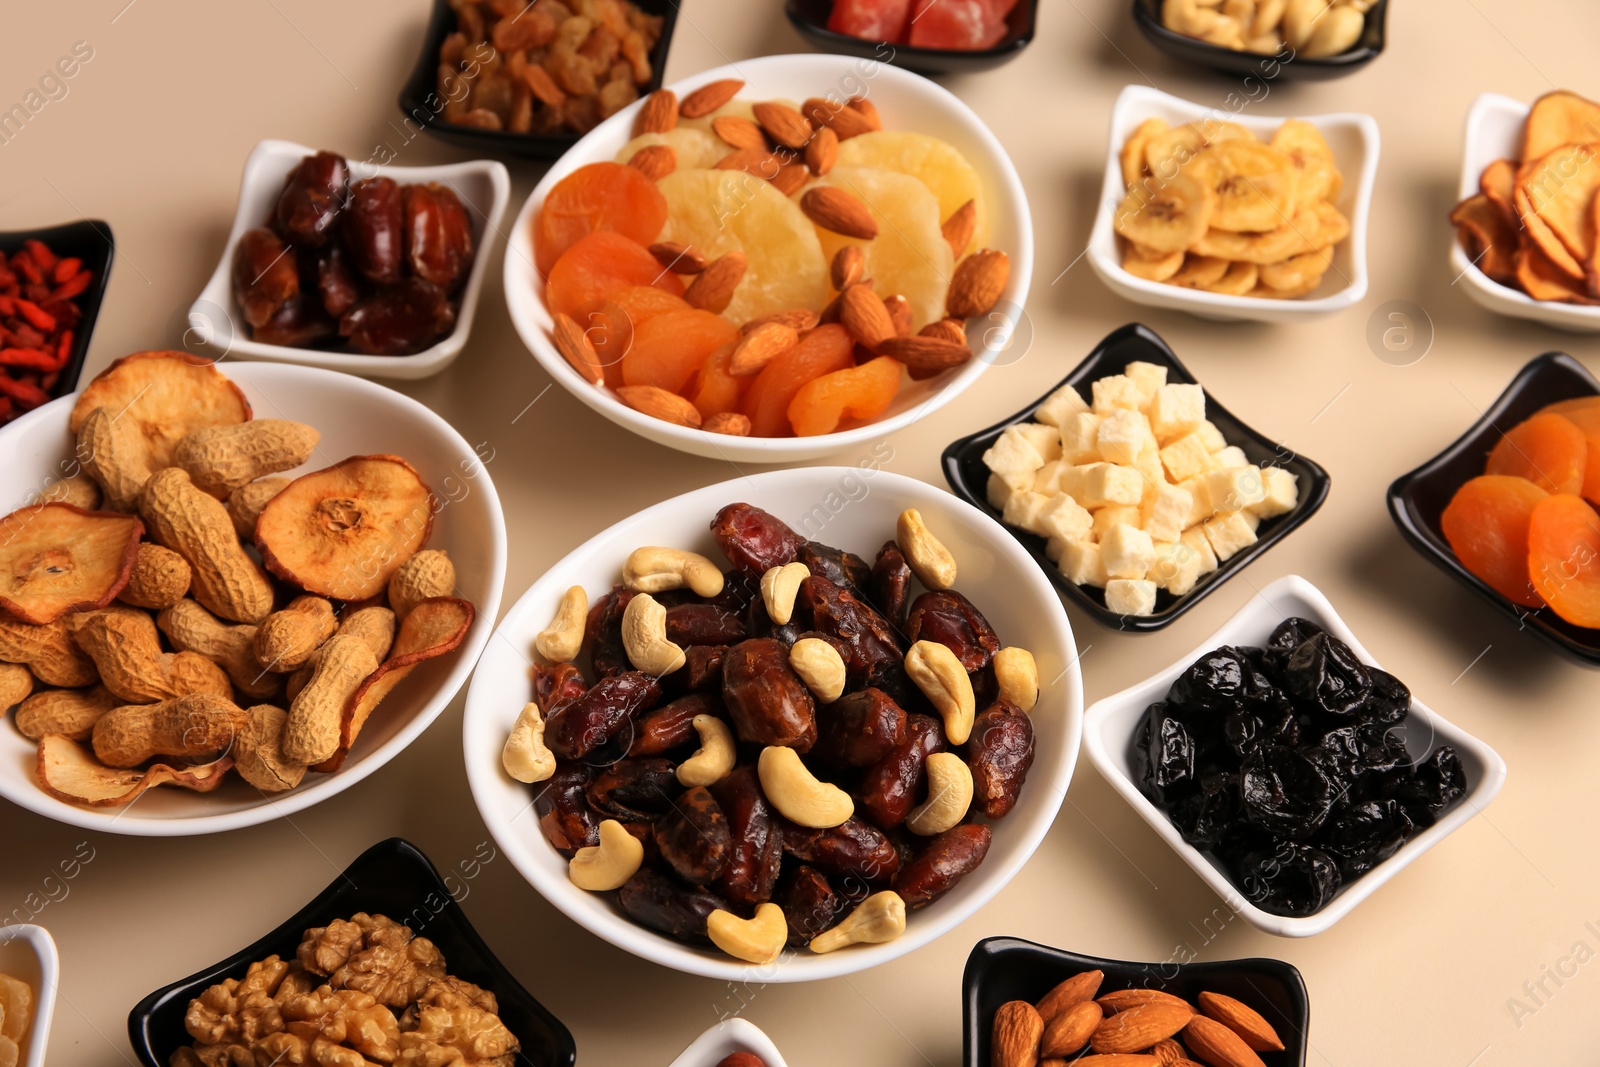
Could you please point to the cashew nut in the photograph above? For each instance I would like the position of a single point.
(881, 917)
(779, 587)
(560, 641)
(656, 570)
(644, 636)
(820, 666)
(1336, 31)
(756, 940)
(925, 554)
(525, 758)
(945, 682)
(609, 864)
(1018, 676)
(798, 794)
(949, 795)
(713, 760)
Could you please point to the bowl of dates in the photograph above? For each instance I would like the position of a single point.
(1291, 772)
(754, 800)
(351, 265)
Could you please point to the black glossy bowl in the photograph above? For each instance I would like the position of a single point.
(89, 240)
(1147, 15)
(1418, 499)
(810, 17)
(968, 478)
(419, 97)
(1008, 968)
(391, 878)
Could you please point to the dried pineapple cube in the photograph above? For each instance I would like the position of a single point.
(1080, 437)
(1229, 533)
(1012, 453)
(1116, 391)
(1177, 410)
(1186, 457)
(1082, 564)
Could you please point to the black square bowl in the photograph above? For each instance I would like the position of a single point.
(419, 97)
(1417, 500)
(1008, 968)
(1147, 15)
(391, 878)
(89, 240)
(968, 478)
(810, 17)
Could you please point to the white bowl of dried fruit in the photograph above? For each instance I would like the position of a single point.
(675, 280)
(1234, 216)
(229, 598)
(30, 972)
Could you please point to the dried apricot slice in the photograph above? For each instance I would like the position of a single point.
(1548, 450)
(600, 196)
(667, 349)
(1584, 413)
(1564, 558)
(610, 323)
(714, 390)
(598, 266)
(822, 351)
(58, 558)
(1486, 524)
(863, 393)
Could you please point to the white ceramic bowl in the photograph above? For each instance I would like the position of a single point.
(1494, 131)
(847, 508)
(1354, 140)
(217, 323)
(726, 1038)
(1110, 724)
(28, 952)
(907, 102)
(355, 417)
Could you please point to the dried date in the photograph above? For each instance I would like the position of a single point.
(577, 727)
(870, 639)
(942, 863)
(373, 230)
(312, 198)
(809, 903)
(891, 785)
(297, 324)
(766, 700)
(438, 235)
(336, 285)
(664, 904)
(693, 837)
(859, 729)
(671, 725)
(265, 278)
(602, 634)
(399, 321)
(757, 853)
(703, 624)
(855, 850)
(1000, 752)
(754, 540)
(565, 815)
(703, 671)
(951, 619)
(634, 790)
(890, 584)
(836, 565)
(553, 683)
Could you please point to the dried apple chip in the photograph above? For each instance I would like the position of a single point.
(341, 532)
(1560, 186)
(1556, 119)
(1498, 182)
(68, 771)
(167, 394)
(1488, 238)
(59, 558)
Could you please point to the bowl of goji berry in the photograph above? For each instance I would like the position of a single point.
(51, 284)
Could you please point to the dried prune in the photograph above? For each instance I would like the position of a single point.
(703, 671)
(265, 278)
(1389, 700)
(553, 683)
(438, 235)
(859, 729)
(693, 837)
(373, 229)
(634, 790)
(664, 904)
(575, 728)
(703, 624)
(1439, 783)
(809, 903)
(1290, 633)
(313, 195)
(1217, 681)
(999, 752)
(1364, 835)
(1294, 880)
(1323, 673)
(568, 821)
(1164, 759)
(854, 850)
(1271, 723)
(602, 633)
(890, 584)
(337, 286)
(767, 702)
(890, 786)
(754, 540)
(951, 619)
(1203, 815)
(836, 611)
(836, 565)
(1284, 792)
(942, 863)
(757, 853)
(671, 725)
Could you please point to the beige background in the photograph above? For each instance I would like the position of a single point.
(153, 136)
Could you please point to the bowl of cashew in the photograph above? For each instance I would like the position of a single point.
(1268, 39)
(848, 508)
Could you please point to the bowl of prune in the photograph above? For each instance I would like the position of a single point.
(779, 729)
(350, 264)
(1286, 767)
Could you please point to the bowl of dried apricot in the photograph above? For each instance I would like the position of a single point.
(225, 598)
(775, 261)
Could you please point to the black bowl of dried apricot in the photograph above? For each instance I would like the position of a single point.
(335, 960)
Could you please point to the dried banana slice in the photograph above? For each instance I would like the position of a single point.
(1132, 155)
(1317, 176)
(1156, 267)
(1297, 271)
(1167, 153)
(1238, 281)
(1253, 183)
(1166, 216)
(1199, 272)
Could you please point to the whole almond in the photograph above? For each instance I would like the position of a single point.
(847, 267)
(1117, 1059)
(1138, 1028)
(655, 161)
(1168, 1052)
(730, 423)
(959, 227)
(1213, 1043)
(799, 320)
(679, 259)
(658, 403)
(822, 152)
(840, 211)
(783, 123)
(576, 349)
(739, 132)
(845, 121)
(900, 312)
(658, 113)
(925, 357)
(790, 177)
(868, 110)
(1123, 999)
(760, 347)
(706, 99)
(712, 290)
(1079, 987)
(977, 284)
(1015, 1041)
(865, 317)
(1243, 1020)
(947, 330)
(757, 161)
(1069, 1029)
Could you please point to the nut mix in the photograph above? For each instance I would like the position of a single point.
(1302, 29)
(795, 752)
(1133, 1027)
(1288, 763)
(38, 316)
(762, 269)
(368, 261)
(360, 991)
(16, 1016)
(181, 657)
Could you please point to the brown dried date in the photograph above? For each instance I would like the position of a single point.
(754, 540)
(840, 613)
(671, 725)
(336, 284)
(704, 668)
(553, 683)
(757, 851)
(577, 727)
(890, 584)
(859, 729)
(373, 222)
(942, 863)
(265, 278)
(399, 321)
(438, 235)
(664, 904)
(767, 702)
(565, 816)
(836, 565)
(703, 624)
(1000, 751)
(809, 903)
(891, 785)
(693, 837)
(602, 633)
(854, 850)
(951, 619)
(297, 324)
(312, 197)
(634, 790)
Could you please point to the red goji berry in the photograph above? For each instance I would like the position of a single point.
(75, 284)
(65, 269)
(39, 253)
(29, 358)
(36, 315)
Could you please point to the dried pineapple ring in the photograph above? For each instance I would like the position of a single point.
(1253, 183)
(1199, 272)
(1238, 281)
(1155, 268)
(1167, 216)
(1132, 155)
(695, 147)
(939, 166)
(722, 211)
(1167, 153)
(910, 255)
(1297, 271)
(1317, 175)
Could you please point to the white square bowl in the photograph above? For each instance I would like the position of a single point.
(217, 323)
(726, 1038)
(1354, 140)
(1494, 131)
(1110, 724)
(29, 953)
